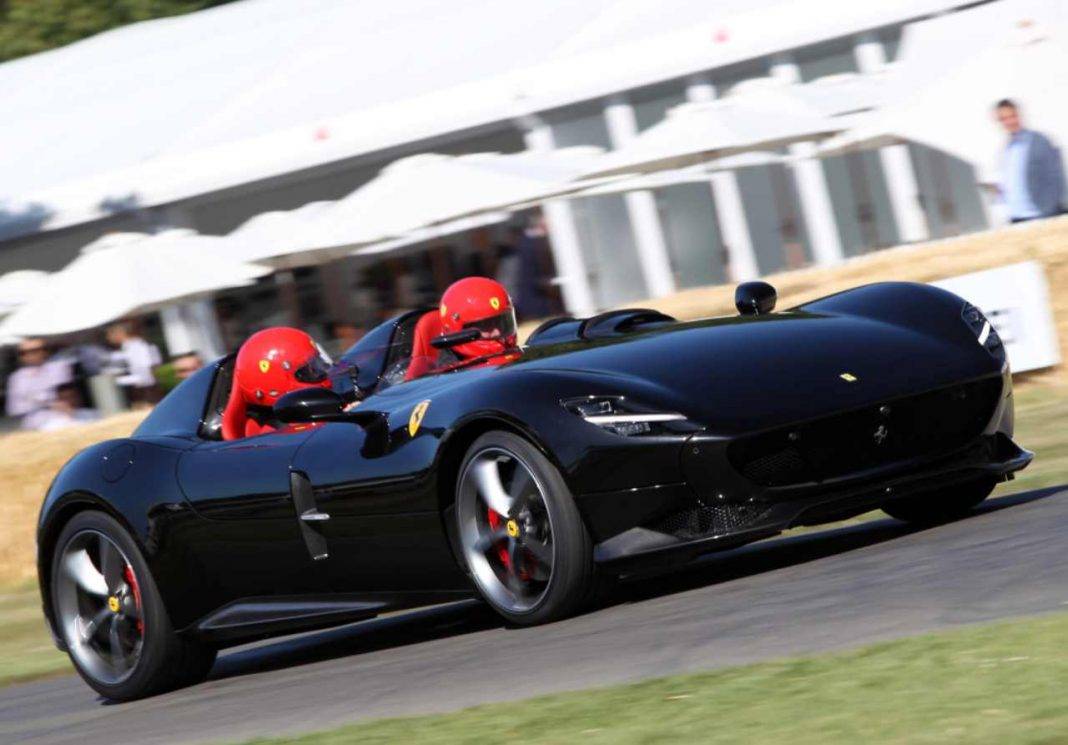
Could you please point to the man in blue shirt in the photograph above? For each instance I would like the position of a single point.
(1032, 182)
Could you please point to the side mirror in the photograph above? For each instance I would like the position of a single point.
(755, 298)
(458, 337)
(310, 405)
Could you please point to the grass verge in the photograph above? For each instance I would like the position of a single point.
(1000, 683)
(26, 649)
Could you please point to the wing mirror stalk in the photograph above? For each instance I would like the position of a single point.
(312, 405)
(755, 298)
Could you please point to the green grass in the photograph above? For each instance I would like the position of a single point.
(1000, 683)
(26, 648)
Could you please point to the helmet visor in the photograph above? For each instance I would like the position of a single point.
(315, 370)
(500, 326)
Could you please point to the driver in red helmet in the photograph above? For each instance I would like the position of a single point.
(483, 304)
(270, 364)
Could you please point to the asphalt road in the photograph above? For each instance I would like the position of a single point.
(810, 593)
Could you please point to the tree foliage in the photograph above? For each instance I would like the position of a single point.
(30, 26)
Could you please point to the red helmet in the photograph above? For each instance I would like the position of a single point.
(478, 302)
(275, 361)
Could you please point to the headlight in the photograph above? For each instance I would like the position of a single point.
(620, 416)
(984, 330)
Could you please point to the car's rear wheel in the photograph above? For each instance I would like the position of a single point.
(111, 616)
(942, 505)
(524, 542)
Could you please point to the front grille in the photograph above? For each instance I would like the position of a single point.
(703, 520)
(929, 424)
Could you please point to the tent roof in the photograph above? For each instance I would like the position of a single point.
(172, 108)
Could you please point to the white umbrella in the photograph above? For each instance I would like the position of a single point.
(126, 273)
(951, 108)
(20, 286)
(765, 115)
(280, 238)
(425, 190)
(434, 232)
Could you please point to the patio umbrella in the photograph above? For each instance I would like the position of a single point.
(434, 233)
(430, 189)
(19, 287)
(279, 238)
(766, 116)
(126, 273)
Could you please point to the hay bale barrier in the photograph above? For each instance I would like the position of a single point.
(29, 460)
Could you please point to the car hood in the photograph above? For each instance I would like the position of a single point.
(742, 374)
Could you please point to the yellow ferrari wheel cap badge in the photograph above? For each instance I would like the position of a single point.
(113, 604)
(416, 419)
(513, 528)
(848, 377)
(265, 365)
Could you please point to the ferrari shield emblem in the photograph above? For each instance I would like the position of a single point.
(416, 418)
(265, 365)
(848, 377)
(495, 302)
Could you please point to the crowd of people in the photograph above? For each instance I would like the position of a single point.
(50, 387)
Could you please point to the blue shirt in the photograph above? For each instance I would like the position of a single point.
(1014, 181)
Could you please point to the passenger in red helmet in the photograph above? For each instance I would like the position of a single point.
(483, 304)
(470, 303)
(270, 364)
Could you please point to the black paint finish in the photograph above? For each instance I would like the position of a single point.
(784, 413)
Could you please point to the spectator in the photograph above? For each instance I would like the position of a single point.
(133, 361)
(67, 409)
(1032, 182)
(185, 364)
(533, 290)
(31, 389)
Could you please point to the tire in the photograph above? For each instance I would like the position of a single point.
(941, 506)
(544, 524)
(99, 574)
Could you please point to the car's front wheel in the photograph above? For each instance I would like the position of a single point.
(524, 542)
(111, 616)
(943, 505)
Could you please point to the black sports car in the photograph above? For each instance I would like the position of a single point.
(611, 442)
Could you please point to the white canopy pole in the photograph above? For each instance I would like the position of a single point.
(895, 159)
(730, 210)
(574, 280)
(641, 207)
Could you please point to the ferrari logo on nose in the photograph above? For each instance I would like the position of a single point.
(513, 528)
(848, 377)
(113, 604)
(881, 434)
(416, 418)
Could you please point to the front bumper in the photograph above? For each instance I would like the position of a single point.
(688, 526)
(737, 490)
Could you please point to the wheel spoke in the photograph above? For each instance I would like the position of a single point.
(112, 565)
(543, 552)
(118, 657)
(486, 541)
(515, 555)
(521, 483)
(90, 629)
(80, 568)
(490, 488)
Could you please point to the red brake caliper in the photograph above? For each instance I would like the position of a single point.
(502, 551)
(131, 580)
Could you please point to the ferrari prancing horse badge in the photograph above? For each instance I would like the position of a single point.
(416, 418)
